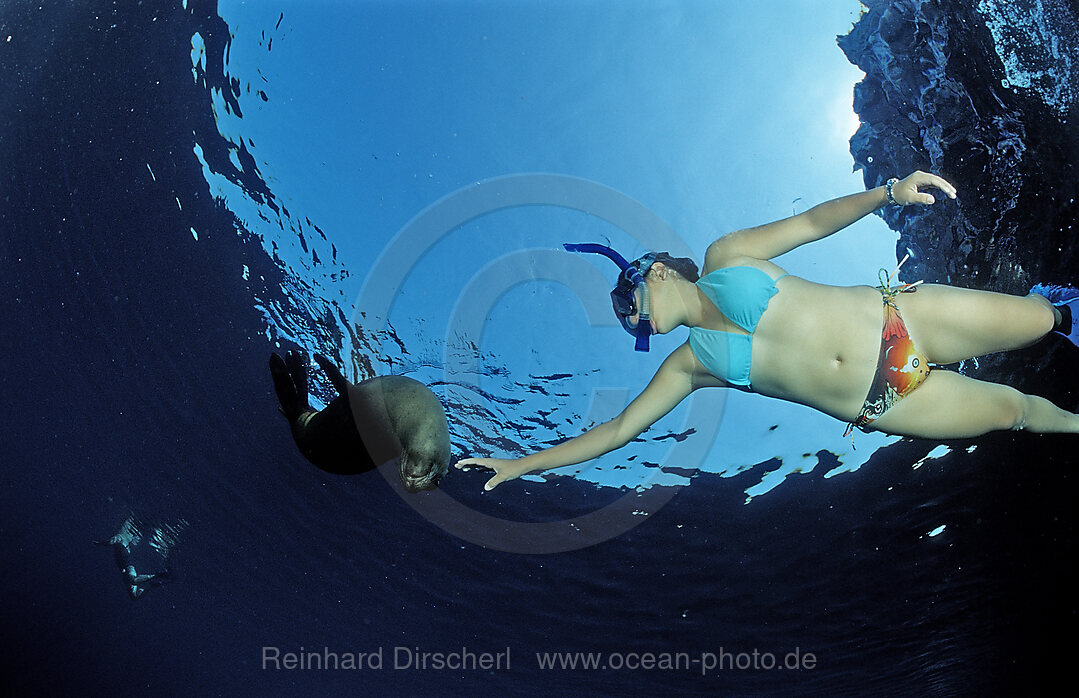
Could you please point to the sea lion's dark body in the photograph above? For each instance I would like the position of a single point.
(367, 424)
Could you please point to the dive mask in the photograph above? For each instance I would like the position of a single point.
(623, 296)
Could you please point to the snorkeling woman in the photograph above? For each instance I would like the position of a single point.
(756, 328)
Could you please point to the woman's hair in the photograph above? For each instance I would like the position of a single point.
(685, 266)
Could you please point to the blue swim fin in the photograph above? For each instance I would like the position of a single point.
(1066, 300)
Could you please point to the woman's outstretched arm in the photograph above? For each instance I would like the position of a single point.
(671, 384)
(773, 239)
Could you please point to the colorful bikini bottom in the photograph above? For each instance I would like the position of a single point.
(900, 366)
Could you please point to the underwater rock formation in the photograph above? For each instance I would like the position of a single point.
(983, 93)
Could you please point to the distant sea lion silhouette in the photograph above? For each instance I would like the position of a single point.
(367, 424)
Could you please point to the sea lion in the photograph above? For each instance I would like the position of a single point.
(367, 424)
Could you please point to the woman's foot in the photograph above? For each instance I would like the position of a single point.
(1065, 300)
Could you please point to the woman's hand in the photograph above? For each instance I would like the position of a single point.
(504, 469)
(908, 190)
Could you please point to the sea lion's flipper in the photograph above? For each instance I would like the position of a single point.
(334, 373)
(290, 383)
(297, 368)
(328, 438)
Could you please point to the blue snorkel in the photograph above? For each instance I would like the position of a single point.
(622, 295)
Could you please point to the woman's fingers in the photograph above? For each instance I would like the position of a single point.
(494, 482)
(468, 463)
(938, 182)
(917, 180)
(503, 469)
(946, 187)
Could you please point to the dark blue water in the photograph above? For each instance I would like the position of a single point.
(136, 379)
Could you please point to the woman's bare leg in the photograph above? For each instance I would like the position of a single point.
(949, 405)
(952, 324)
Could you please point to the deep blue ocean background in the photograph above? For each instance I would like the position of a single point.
(136, 380)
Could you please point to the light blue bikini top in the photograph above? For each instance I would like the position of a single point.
(742, 294)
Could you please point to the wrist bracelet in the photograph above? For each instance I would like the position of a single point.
(888, 188)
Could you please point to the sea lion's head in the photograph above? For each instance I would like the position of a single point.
(422, 470)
